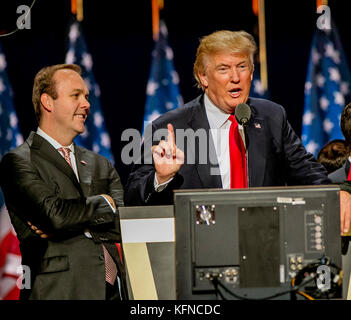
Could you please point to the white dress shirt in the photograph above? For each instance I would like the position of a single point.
(219, 128)
(57, 146)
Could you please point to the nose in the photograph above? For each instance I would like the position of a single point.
(235, 77)
(85, 104)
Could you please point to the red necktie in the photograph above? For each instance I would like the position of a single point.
(238, 170)
(349, 176)
(110, 266)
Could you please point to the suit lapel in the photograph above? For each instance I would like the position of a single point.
(255, 136)
(209, 173)
(346, 168)
(48, 152)
(85, 167)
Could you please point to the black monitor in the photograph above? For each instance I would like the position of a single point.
(258, 243)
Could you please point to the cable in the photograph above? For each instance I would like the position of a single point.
(300, 279)
(217, 283)
(14, 31)
(305, 295)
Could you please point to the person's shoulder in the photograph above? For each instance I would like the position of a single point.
(180, 114)
(267, 109)
(264, 104)
(21, 150)
(338, 176)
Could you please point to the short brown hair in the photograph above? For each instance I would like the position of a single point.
(224, 40)
(44, 83)
(333, 155)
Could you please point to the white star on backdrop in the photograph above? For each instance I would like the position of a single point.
(332, 53)
(328, 125)
(344, 87)
(312, 147)
(105, 140)
(151, 88)
(315, 56)
(74, 33)
(87, 61)
(169, 53)
(98, 119)
(308, 86)
(258, 87)
(2, 62)
(153, 116)
(320, 80)
(175, 77)
(339, 98)
(307, 118)
(324, 103)
(70, 57)
(2, 86)
(169, 105)
(334, 74)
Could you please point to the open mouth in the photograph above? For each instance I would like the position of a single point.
(234, 93)
(81, 116)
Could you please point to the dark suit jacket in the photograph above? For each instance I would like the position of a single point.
(39, 186)
(276, 156)
(341, 174)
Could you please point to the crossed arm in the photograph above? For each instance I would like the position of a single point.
(36, 205)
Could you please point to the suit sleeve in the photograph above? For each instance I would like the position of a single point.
(140, 186)
(302, 168)
(30, 199)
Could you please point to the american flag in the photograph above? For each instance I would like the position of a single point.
(327, 90)
(10, 137)
(95, 137)
(162, 92)
(257, 90)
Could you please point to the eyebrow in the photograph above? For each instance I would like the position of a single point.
(222, 64)
(80, 91)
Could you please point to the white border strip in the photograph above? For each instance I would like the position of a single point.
(147, 230)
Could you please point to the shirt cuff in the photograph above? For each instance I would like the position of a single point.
(112, 208)
(159, 187)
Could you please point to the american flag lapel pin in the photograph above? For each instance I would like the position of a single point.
(257, 125)
(83, 162)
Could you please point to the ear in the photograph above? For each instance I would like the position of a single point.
(46, 102)
(203, 79)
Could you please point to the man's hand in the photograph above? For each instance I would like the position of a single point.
(167, 157)
(38, 231)
(110, 200)
(345, 212)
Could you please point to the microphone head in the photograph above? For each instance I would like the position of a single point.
(242, 113)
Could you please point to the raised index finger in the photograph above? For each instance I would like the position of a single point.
(171, 139)
(170, 136)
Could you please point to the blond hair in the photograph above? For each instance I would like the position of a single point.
(238, 42)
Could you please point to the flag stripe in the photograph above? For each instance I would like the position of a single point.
(10, 137)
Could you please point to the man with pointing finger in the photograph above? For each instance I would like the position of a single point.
(266, 153)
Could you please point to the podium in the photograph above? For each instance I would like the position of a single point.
(148, 241)
(256, 243)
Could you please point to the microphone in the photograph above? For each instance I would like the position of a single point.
(242, 113)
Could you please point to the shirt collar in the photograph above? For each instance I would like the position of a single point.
(52, 141)
(216, 117)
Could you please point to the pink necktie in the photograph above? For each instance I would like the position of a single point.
(65, 152)
(110, 266)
